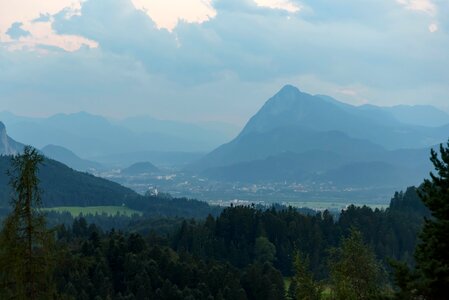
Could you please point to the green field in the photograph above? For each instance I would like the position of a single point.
(92, 210)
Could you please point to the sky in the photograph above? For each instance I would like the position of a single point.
(218, 60)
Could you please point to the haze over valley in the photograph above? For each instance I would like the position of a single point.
(298, 149)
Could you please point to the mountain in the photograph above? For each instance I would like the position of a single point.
(284, 166)
(63, 186)
(140, 168)
(95, 136)
(372, 174)
(418, 115)
(291, 107)
(300, 137)
(397, 169)
(260, 145)
(209, 134)
(69, 158)
(295, 121)
(8, 146)
(423, 115)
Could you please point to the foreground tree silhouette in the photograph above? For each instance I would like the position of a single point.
(25, 243)
(430, 279)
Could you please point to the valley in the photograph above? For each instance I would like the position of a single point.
(309, 194)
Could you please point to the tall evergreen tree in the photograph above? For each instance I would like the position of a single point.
(303, 285)
(432, 254)
(25, 258)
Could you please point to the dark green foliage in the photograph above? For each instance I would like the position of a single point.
(355, 273)
(409, 202)
(114, 265)
(430, 279)
(63, 186)
(232, 236)
(264, 250)
(241, 253)
(262, 281)
(25, 243)
(173, 207)
(303, 285)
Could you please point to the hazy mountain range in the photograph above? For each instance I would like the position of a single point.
(91, 136)
(295, 136)
(300, 137)
(70, 159)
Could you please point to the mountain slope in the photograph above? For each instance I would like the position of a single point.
(260, 145)
(285, 166)
(424, 115)
(392, 168)
(63, 186)
(8, 146)
(291, 107)
(299, 137)
(69, 158)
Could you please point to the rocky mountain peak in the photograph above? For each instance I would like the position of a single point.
(7, 145)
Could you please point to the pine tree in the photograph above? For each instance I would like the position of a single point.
(303, 283)
(432, 254)
(355, 272)
(25, 243)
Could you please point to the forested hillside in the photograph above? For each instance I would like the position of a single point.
(244, 253)
(62, 186)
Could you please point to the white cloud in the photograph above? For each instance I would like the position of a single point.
(41, 33)
(167, 13)
(426, 6)
(26, 10)
(279, 4)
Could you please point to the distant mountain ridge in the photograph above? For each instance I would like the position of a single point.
(95, 136)
(69, 158)
(300, 137)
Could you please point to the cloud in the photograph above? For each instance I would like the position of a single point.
(224, 62)
(27, 24)
(280, 4)
(426, 6)
(167, 13)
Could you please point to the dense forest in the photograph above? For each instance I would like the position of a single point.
(242, 252)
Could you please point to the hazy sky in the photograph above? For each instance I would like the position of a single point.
(218, 60)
